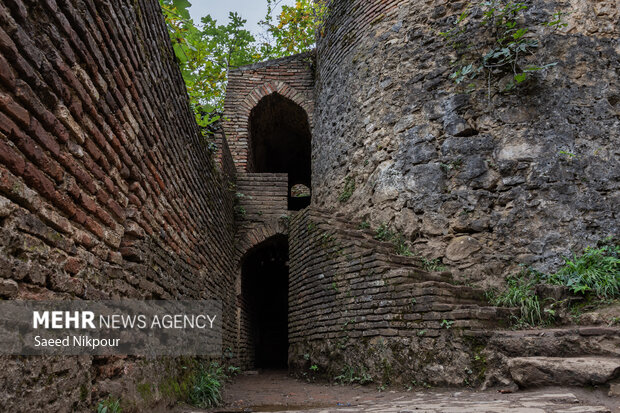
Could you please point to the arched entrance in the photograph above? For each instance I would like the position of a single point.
(280, 142)
(264, 303)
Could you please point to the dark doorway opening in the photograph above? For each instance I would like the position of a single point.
(281, 142)
(264, 287)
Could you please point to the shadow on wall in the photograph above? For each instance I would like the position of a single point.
(264, 289)
(281, 143)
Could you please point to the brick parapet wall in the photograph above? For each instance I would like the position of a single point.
(348, 293)
(106, 187)
(291, 77)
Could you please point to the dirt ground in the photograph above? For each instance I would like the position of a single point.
(274, 391)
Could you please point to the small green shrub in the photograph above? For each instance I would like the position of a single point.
(596, 271)
(206, 387)
(494, 39)
(240, 211)
(386, 234)
(233, 371)
(521, 293)
(447, 324)
(109, 405)
(401, 245)
(593, 274)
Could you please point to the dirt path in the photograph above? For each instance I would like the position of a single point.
(276, 392)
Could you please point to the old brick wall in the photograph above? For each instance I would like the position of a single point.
(291, 77)
(106, 187)
(485, 186)
(356, 307)
(261, 211)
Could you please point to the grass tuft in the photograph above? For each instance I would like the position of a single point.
(205, 391)
(109, 405)
(593, 274)
(596, 271)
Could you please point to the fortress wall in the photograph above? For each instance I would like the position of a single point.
(106, 187)
(525, 178)
(292, 77)
(358, 310)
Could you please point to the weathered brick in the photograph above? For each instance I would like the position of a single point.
(73, 265)
(84, 114)
(6, 74)
(37, 180)
(10, 158)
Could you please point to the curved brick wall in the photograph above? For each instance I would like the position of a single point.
(486, 187)
(106, 189)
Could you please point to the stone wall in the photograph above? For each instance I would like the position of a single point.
(106, 187)
(523, 179)
(291, 77)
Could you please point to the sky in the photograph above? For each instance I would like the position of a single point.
(251, 10)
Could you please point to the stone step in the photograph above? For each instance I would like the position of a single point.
(569, 342)
(563, 371)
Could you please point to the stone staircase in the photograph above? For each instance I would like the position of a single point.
(568, 356)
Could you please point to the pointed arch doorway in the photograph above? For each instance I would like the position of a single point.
(280, 142)
(264, 303)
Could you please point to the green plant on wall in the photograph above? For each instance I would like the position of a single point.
(347, 191)
(109, 405)
(386, 234)
(596, 271)
(493, 41)
(433, 265)
(593, 275)
(350, 375)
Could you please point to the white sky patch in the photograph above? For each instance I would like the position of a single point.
(251, 10)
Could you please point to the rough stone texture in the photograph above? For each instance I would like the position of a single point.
(291, 77)
(558, 356)
(540, 371)
(440, 165)
(106, 189)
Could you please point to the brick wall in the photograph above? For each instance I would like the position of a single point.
(261, 197)
(106, 189)
(291, 77)
(354, 304)
(261, 210)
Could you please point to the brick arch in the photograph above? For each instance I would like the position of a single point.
(291, 77)
(258, 234)
(269, 88)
